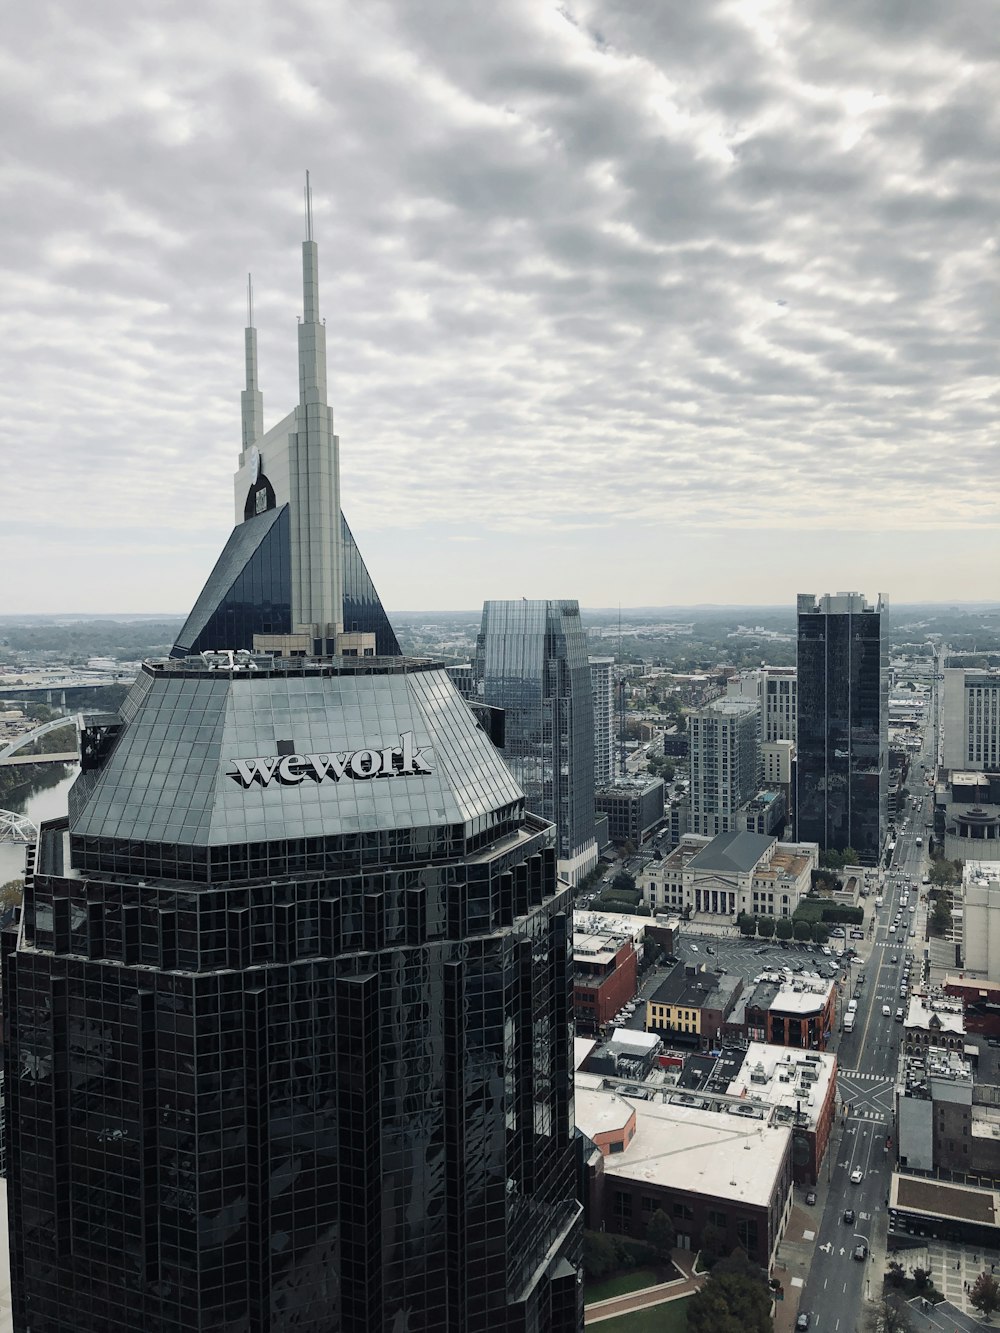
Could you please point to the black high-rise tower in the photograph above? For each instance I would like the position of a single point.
(289, 1019)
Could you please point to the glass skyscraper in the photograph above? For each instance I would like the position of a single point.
(288, 1013)
(531, 661)
(843, 709)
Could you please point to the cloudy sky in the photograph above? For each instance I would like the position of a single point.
(650, 301)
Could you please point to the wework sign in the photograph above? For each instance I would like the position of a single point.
(392, 761)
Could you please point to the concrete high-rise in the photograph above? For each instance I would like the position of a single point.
(725, 762)
(290, 1010)
(776, 690)
(843, 711)
(531, 661)
(602, 684)
(970, 715)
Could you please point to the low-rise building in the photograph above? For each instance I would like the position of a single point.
(801, 1089)
(799, 1013)
(732, 873)
(933, 1020)
(690, 1006)
(765, 813)
(605, 976)
(727, 1169)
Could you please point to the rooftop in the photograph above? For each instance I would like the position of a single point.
(795, 1082)
(695, 988)
(734, 852)
(936, 1013)
(933, 1198)
(804, 995)
(722, 1155)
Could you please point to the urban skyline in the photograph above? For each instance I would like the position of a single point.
(747, 255)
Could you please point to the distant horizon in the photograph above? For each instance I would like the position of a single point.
(641, 609)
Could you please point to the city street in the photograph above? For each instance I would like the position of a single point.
(868, 1056)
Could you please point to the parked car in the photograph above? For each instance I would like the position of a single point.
(811, 1198)
(803, 1321)
(861, 1252)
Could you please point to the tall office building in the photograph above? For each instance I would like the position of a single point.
(290, 1009)
(724, 762)
(602, 687)
(970, 712)
(842, 746)
(531, 661)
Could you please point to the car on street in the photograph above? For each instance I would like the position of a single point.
(899, 1015)
(849, 1216)
(861, 1252)
(857, 1175)
(811, 1198)
(803, 1321)
(891, 959)
(693, 948)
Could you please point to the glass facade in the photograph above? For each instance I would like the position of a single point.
(250, 590)
(363, 610)
(531, 661)
(842, 768)
(318, 1081)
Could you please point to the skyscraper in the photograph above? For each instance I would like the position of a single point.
(602, 685)
(843, 709)
(725, 762)
(290, 1008)
(531, 661)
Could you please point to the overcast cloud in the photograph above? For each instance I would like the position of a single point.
(626, 300)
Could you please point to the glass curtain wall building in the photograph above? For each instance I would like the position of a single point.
(531, 661)
(290, 1010)
(841, 796)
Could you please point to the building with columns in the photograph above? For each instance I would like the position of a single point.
(729, 874)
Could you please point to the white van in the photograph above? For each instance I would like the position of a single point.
(852, 1007)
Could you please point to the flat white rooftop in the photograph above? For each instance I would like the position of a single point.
(703, 1152)
(778, 1076)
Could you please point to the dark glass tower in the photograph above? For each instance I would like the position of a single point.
(290, 1018)
(531, 661)
(290, 1002)
(842, 756)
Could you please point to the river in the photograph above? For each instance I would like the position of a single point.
(46, 804)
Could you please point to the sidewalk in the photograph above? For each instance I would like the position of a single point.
(686, 1285)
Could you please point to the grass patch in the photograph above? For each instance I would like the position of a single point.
(671, 1317)
(632, 1279)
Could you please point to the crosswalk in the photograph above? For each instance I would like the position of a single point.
(865, 1078)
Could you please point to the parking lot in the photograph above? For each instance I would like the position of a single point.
(739, 957)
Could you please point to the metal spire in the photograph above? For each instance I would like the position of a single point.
(251, 399)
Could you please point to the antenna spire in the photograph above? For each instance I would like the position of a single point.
(309, 209)
(251, 399)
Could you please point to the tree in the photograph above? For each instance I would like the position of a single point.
(985, 1294)
(660, 1234)
(600, 1255)
(831, 859)
(889, 1314)
(941, 917)
(765, 927)
(747, 924)
(714, 1244)
(735, 1299)
(623, 880)
(784, 928)
(921, 1279)
(849, 857)
(802, 930)
(820, 932)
